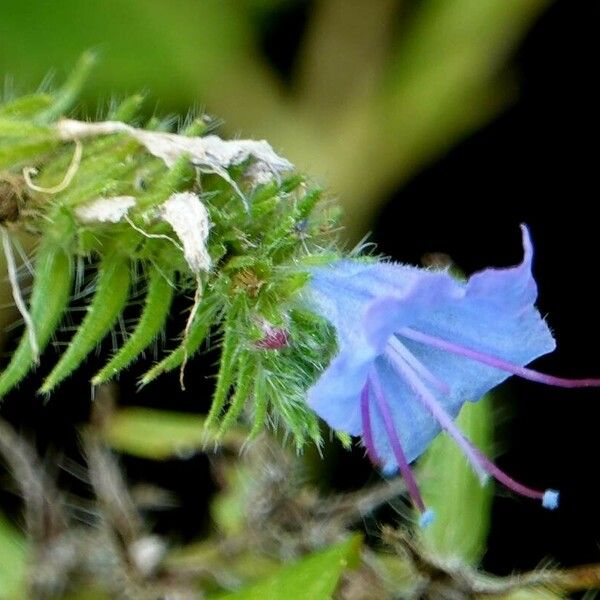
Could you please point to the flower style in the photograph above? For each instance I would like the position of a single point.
(415, 345)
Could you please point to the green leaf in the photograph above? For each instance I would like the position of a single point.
(243, 387)
(226, 375)
(152, 320)
(313, 578)
(199, 329)
(112, 291)
(161, 435)
(49, 300)
(450, 487)
(13, 562)
(26, 106)
(12, 128)
(68, 94)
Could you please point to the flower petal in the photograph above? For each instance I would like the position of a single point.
(513, 285)
(493, 313)
(426, 295)
(497, 317)
(415, 426)
(342, 292)
(336, 395)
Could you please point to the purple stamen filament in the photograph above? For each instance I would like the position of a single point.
(481, 463)
(366, 425)
(399, 349)
(497, 363)
(388, 422)
(506, 480)
(440, 415)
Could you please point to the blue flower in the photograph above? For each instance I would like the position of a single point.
(415, 345)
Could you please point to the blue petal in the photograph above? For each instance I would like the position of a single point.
(426, 295)
(497, 317)
(343, 291)
(514, 286)
(414, 425)
(493, 313)
(336, 395)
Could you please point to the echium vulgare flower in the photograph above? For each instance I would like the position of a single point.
(415, 345)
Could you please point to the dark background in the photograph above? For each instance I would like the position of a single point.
(535, 164)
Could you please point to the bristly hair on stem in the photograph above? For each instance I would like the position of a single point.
(97, 192)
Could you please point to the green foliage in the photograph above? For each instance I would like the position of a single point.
(13, 561)
(49, 300)
(313, 578)
(205, 316)
(108, 302)
(365, 109)
(258, 246)
(448, 482)
(151, 322)
(160, 434)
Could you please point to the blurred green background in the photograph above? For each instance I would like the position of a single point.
(360, 94)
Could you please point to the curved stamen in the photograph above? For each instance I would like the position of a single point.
(367, 435)
(441, 416)
(401, 350)
(388, 423)
(548, 497)
(495, 362)
(480, 462)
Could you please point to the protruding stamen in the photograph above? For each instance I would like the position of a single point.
(441, 416)
(495, 362)
(426, 518)
(366, 425)
(549, 498)
(401, 350)
(388, 422)
(480, 462)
